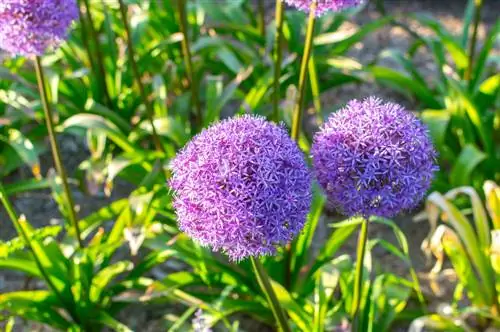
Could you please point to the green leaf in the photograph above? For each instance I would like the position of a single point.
(301, 247)
(96, 219)
(24, 148)
(461, 264)
(492, 194)
(486, 51)
(467, 161)
(34, 305)
(437, 121)
(102, 279)
(404, 83)
(99, 124)
(298, 315)
(23, 265)
(168, 127)
(466, 234)
(336, 240)
(479, 214)
(106, 320)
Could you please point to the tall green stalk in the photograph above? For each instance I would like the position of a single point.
(99, 72)
(478, 4)
(196, 117)
(297, 111)
(262, 18)
(137, 75)
(267, 288)
(17, 222)
(49, 121)
(358, 277)
(278, 55)
(297, 114)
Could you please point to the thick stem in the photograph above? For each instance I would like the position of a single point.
(472, 47)
(22, 233)
(278, 55)
(55, 149)
(135, 71)
(297, 111)
(196, 117)
(358, 278)
(265, 285)
(100, 74)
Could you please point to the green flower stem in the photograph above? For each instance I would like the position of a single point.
(49, 121)
(100, 74)
(196, 117)
(358, 278)
(297, 111)
(265, 285)
(135, 71)
(17, 222)
(478, 4)
(278, 55)
(262, 18)
(85, 40)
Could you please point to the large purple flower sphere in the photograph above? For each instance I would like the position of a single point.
(373, 158)
(242, 187)
(30, 27)
(324, 6)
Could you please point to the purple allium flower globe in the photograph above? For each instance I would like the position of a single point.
(373, 158)
(30, 27)
(324, 5)
(242, 187)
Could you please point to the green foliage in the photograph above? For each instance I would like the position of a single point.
(460, 98)
(470, 240)
(86, 289)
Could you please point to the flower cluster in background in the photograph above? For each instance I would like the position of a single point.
(30, 27)
(374, 158)
(242, 186)
(324, 6)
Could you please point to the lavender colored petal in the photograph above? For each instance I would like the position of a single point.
(324, 6)
(241, 187)
(373, 158)
(31, 27)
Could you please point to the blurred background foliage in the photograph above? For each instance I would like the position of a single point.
(136, 257)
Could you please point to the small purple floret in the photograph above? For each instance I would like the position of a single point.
(324, 5)
(30, 27)
(242, 187)
(373, 158)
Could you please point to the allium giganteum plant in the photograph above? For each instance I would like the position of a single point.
(373, 158)
(238, 203)
(242, 186)
(30, 27)
(324, 6)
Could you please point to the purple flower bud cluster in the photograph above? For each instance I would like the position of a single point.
(324, 6)
(30, 27)
(199, 322)
(373, 158)
(242, 187)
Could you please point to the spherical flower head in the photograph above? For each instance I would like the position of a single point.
(324, 6)
(373, 158)
(30, 27)
(241, 187)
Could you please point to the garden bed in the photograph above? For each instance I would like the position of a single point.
(41, 210)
